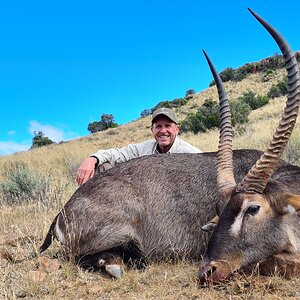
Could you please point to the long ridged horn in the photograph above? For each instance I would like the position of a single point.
(225, 174)
(258, 177)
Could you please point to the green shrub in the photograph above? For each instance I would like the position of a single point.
(190, 92)
(274, 91)
(227, 74)
(235, 74)
(192, 123)
(107, 121)
(146, 112)
(254, 101)
(40, 140)
(239, 75)
(267, 75)
(205, 118)
(170, 104)
(282, 85)
(240, 111)
(279, 89)
(22, 185)
(274, 62)
(262, 100)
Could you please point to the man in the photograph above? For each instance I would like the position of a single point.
(164, 129)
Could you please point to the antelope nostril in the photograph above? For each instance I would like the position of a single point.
(210, 271)
(205, 273)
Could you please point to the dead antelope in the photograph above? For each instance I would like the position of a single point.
(152, 208)
(259, 216)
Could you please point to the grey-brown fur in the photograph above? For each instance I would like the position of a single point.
(158, 203)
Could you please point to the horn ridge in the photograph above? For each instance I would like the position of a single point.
(259, 175)
(225, 173)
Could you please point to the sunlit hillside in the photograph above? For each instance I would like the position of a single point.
(63, 159)
(48, 178)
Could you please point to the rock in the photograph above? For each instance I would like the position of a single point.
(48, 265)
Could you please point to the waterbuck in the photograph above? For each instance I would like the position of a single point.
(259, 216)
(153, 207)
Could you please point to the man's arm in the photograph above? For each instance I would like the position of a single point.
(111, 156)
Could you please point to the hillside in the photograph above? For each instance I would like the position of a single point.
(41, 180)
(54, 158)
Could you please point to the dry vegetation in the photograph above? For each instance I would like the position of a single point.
(57, 165)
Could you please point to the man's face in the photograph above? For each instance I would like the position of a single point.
(164, 132)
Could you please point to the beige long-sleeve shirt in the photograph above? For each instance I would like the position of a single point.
(117, 155)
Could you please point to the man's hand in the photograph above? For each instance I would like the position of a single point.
(86, 170)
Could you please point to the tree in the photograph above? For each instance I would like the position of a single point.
(253, 100)
(107, 121)
(227, 74)
(190, 93)
(146, 112)
(206, 117)
(40, 140)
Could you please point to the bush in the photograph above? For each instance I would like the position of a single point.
(235, 74)
(170, 104)
(190, 92)
(146, 112)
(267, 75)
(192, 123)
(279, 89)
(239, 75)
(107, 121)
(227, 74)
(22, 185)
(274, 62)
(254, 101)
(282, 85)
(40, 140)
(274, 91)
(205, 118)
(261, 100)
(240, 111)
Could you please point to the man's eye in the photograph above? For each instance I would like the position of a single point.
(253, 210)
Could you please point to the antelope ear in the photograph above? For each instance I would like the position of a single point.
(211, 224)
(293, 202)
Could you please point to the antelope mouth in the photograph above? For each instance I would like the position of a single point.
(212, 273)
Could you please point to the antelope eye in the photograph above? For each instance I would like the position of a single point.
(253, 210)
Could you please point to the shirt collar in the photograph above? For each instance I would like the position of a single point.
(172, 149)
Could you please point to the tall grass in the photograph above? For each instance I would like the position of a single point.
(22, 185)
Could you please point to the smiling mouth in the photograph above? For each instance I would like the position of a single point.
(164, 136)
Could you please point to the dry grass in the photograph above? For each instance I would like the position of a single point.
(158, 281)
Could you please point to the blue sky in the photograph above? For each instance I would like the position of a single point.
(65, 63)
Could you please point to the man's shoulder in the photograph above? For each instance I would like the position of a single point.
(146, 147)
(183, 146)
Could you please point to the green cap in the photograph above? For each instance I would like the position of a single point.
(164, 112)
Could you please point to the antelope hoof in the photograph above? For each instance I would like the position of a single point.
(115, 271)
